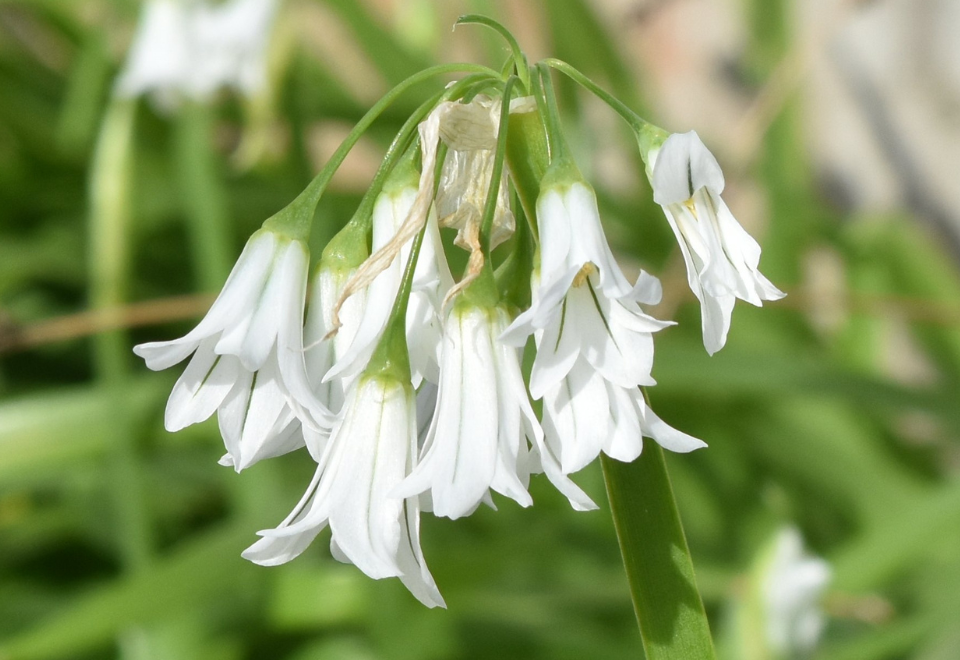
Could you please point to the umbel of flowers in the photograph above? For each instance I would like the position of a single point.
(404, 383)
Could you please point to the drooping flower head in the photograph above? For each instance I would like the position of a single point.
(722, 259)
(406, 387)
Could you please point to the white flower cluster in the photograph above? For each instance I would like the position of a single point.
(444, 418)
(193, 48)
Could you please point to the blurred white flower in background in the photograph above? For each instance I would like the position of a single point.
(792, 585)
(187, 49)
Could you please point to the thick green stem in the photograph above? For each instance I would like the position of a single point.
(673, 624)
(109, 265)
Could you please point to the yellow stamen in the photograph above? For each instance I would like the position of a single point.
(585, 272)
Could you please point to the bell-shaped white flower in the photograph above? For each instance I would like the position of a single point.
(248, 357)
(571, 237)
(477, 441)
(594, 343)
(321, 352)
(371, 449)
(722, 259)
(431, 281)
(592, 357)
(792, 585)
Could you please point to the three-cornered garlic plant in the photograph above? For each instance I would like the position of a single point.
(413, 390)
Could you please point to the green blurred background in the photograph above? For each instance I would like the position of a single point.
(836, 410)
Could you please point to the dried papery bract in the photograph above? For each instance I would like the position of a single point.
(470, 132)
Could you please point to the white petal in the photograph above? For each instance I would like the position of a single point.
(424, 337)
(625, 441)
(736, 241)
(232, 306)
(364, 519)
(379, 302)
(286, 435)
(683, 166)
(588, 242)
(261, 335)
(276, 550)
(721, 274)
(231, 415)
(555, 235)
(278, 547)
(201, 389)
(621, 356)
(575, 413)
(513, 403)
(459, 456)
(414, 572)
(665, 435)
(715, 314)
(557, 350)
(426, 405)
(646, 290)
(290, 352)
(267, 401)
(579, 500)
